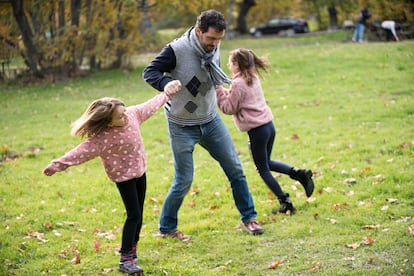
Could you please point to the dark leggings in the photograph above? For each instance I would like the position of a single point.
(261, 145)
(133, 195)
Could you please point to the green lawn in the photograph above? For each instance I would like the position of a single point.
(344, 110)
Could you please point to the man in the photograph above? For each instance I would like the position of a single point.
(190, 65)
(361, 19)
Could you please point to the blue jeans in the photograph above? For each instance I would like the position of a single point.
(215, 138)
(359, 33)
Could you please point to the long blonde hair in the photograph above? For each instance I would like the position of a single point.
(95, 118)
(249, 63)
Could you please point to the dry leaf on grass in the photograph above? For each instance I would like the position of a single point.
(315, 268)
(365, 240)
(377, 226)
(411, 229)
(391, 200)
(276, 264)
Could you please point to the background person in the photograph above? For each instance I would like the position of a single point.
(246, 102)
(390, 27)
(361, 19)
(193, 62)
(113, 134)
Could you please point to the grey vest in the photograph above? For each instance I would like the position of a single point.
(196, 103)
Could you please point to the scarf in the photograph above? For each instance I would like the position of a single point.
(208, 60)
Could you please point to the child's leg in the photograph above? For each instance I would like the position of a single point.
(133, 196)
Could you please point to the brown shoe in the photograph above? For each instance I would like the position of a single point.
(253, 227)
(176, 235)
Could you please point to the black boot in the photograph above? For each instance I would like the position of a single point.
(286, 206)
(305, 178)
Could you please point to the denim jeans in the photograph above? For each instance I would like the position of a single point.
(359, 33)
(215, 138)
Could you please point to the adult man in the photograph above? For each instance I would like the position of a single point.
(190, 65)
(361, 19)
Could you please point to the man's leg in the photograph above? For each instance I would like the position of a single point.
(182, 141)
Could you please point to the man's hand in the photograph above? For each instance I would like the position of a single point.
(172, 87)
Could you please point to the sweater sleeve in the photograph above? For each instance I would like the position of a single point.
(80, 154)
(165, 62)
(228, 100)
(145, 110)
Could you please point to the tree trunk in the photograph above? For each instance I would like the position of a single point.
(241, 20)
(61, 17)
(333, 20)
(24, 27)
(75, 7)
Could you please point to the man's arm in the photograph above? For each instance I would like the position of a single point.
(154, 72)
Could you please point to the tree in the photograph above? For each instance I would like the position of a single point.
(241, 20)
(31, 55)
(59, 36)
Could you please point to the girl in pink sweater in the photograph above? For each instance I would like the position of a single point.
(246, 102)
(112, 132)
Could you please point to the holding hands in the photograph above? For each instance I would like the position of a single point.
(172, 88)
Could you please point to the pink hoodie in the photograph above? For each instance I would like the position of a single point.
(247, 104)
(121, 149)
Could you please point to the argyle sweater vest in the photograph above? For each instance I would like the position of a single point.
(196, 103)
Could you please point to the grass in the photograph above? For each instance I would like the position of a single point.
(344, 110)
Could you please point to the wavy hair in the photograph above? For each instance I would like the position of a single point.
(96, 117)
(249, 64)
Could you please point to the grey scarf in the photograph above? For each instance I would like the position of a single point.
(208, 62)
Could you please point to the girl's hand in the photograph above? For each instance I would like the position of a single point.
(172, 87)
(48, 172)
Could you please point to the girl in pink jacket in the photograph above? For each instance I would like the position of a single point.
(246, 102)
(112, 132)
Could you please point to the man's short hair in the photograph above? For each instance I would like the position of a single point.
(211, 18)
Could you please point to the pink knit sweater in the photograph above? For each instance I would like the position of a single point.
(121, 149)
(247, 104)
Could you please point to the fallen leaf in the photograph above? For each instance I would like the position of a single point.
(276, 264)
(350, 181)
(315, 215)
(403, 219)
(76, 259)
(391, 200)
(366, 169)
(294, 137)
(97, 245)
(192, 204)
(350, 193)
(153, 200)
(411, 229)
(377, 226)
(371, 259)
(37, 235)
(368, 241)
(316, 267)
(195, 191)
(354, 245)
(48, 225)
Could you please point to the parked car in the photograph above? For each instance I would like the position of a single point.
(286, 25)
